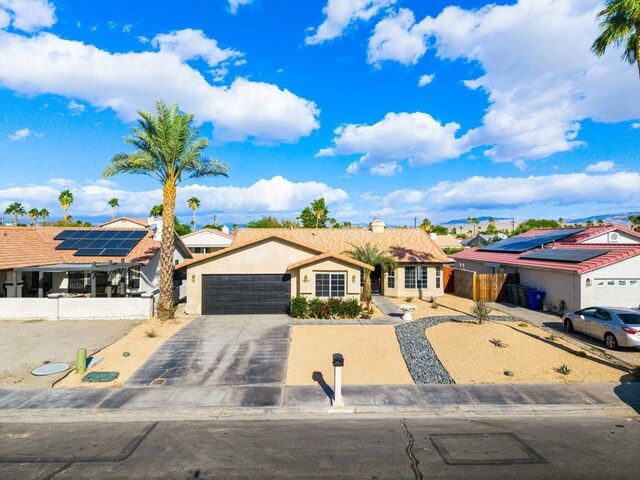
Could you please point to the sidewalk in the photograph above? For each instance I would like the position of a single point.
(188, 402)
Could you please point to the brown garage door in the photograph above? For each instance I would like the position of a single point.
(245, 294)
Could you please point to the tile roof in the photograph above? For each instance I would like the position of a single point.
(34, 246)
(140, 221)
(447, 241)
(406, 245)
(336, 256)
(586, 234)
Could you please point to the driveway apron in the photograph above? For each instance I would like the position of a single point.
(221, 350)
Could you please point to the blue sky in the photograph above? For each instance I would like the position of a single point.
(391, 108)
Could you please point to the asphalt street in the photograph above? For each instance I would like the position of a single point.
(329, 447)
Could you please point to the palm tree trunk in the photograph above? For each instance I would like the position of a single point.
(165, 302)
(15, 218)
(194, 220)
(113, 213)
(366, 288)
(64, 210)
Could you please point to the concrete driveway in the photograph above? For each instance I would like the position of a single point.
(221, 350)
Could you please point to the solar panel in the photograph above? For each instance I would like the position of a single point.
(67, 244)
(564, 255)
(114, 252)
(522, 244)
(99, 242)
(89, 252)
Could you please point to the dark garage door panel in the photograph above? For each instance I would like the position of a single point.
(245, 294)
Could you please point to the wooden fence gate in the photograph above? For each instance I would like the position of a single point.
(484, 287)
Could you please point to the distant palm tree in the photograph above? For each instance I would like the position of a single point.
(194, 204)
(600, 222)
(65, 199)
(16, 209)
(44, 214)
(113, 203)
(169, 149)
(34, 213)
(370, 254)
(156, 211)
(620, 26)
(426, 225)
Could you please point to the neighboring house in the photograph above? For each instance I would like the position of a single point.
(264, 268)
(483, 239)
(125, 222)
(446, 241)
(207, 240)
(576, 267)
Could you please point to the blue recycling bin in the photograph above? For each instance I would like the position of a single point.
(535, 299)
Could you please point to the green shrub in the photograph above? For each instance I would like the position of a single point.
(498, 343)
(151, 334)
(408, 299)
(431, 300)
(553, 338)
(481, 311)
(563, 369)
(299, 307)
(523, 324)
(508, 373)
(318, 309)
(367, 310)
(580, 353)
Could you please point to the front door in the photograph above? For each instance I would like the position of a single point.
(376, 281)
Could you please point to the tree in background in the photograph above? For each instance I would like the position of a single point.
(475, 223)
(113, 203)
(440, 230)
(635, 222)
(43, 214)
(269, 221)
(426, 225)
(16, 209)
(561, 222)
(34, 213)
(589, 223)
(156, 211)
(169, 149)
(491, 227)
(65, 199)
(370, 255)
(620, 26)
(315, 215)
(533, 223)
(194, 204)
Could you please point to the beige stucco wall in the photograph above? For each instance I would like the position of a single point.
(557, 285)
(271, 256)
(401, 292)
(328, 266)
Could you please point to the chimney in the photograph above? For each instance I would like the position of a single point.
(225, 229)
(155, 224)
(434, 236)
(377, 226)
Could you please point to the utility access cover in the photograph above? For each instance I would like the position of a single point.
(484, 449)
(100, 376)
(49, 369)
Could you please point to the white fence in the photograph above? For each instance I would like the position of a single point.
(76, 308)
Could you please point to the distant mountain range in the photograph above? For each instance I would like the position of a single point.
(616, 218)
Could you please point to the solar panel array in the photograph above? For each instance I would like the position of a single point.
(522, 244)
(564, 255)
(99, 243)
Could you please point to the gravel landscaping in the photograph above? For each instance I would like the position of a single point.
(422, 362)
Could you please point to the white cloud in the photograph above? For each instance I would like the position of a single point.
(275, 195)
(143, 39)
(416, 137)
(234, 4)
(189, 44)
(396, 38)
(426, 79)
(493, 192)
(127, 28)
(339, 14)
(20, 134)
(128, 82)
(635, 125)
(27, 15)
(605, 166)
(75, 107)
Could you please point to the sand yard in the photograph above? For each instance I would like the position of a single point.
(447, 305)
(372, 355)
(139, 346)
(466, 352)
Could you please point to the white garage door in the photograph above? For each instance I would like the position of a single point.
(617, 292)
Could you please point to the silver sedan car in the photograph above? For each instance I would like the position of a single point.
(616, 326)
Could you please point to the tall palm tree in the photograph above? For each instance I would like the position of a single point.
(113, 203)
(65, 199)
(16, 209)
(369, 253)
(620, 26)
(194, 204)
(43, 214)
(34, 213)
(169, 149)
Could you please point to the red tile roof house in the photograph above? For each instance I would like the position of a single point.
(264, 268)
(37, 272)
(592, 266)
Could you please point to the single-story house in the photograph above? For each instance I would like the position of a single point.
(576, 267)
(264, 268)
(207, 240)
(483, 239)
(125, 222)
(446, 241)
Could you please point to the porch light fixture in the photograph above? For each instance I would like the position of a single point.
(306, 279)
(588, 282)
(353, 279)
(193, 278)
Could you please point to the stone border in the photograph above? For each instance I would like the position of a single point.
(423, 363)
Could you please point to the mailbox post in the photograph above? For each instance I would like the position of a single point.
(338, 363)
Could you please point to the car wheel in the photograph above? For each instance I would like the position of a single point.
(610, 341)
(568, 325)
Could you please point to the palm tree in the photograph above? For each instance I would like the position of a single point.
(370, 254)
(43, 214)
(34, 213)
(194, 204)
(16, 209)
(156, 211)
(113, 203)
(426, 225)
(620, 26)
(66, 199)
(169, 149)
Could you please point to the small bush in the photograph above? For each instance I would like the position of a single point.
(330, 308)
(523, 324)
(125, 354)
(434, 305)
(498, 343)
(553, 338)
(508, 373)
(431, 300)
(408, 299)
(151, 334)
(299, 307)
(580, 353)
(563, 369)
(481, 311)
(367, 310)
